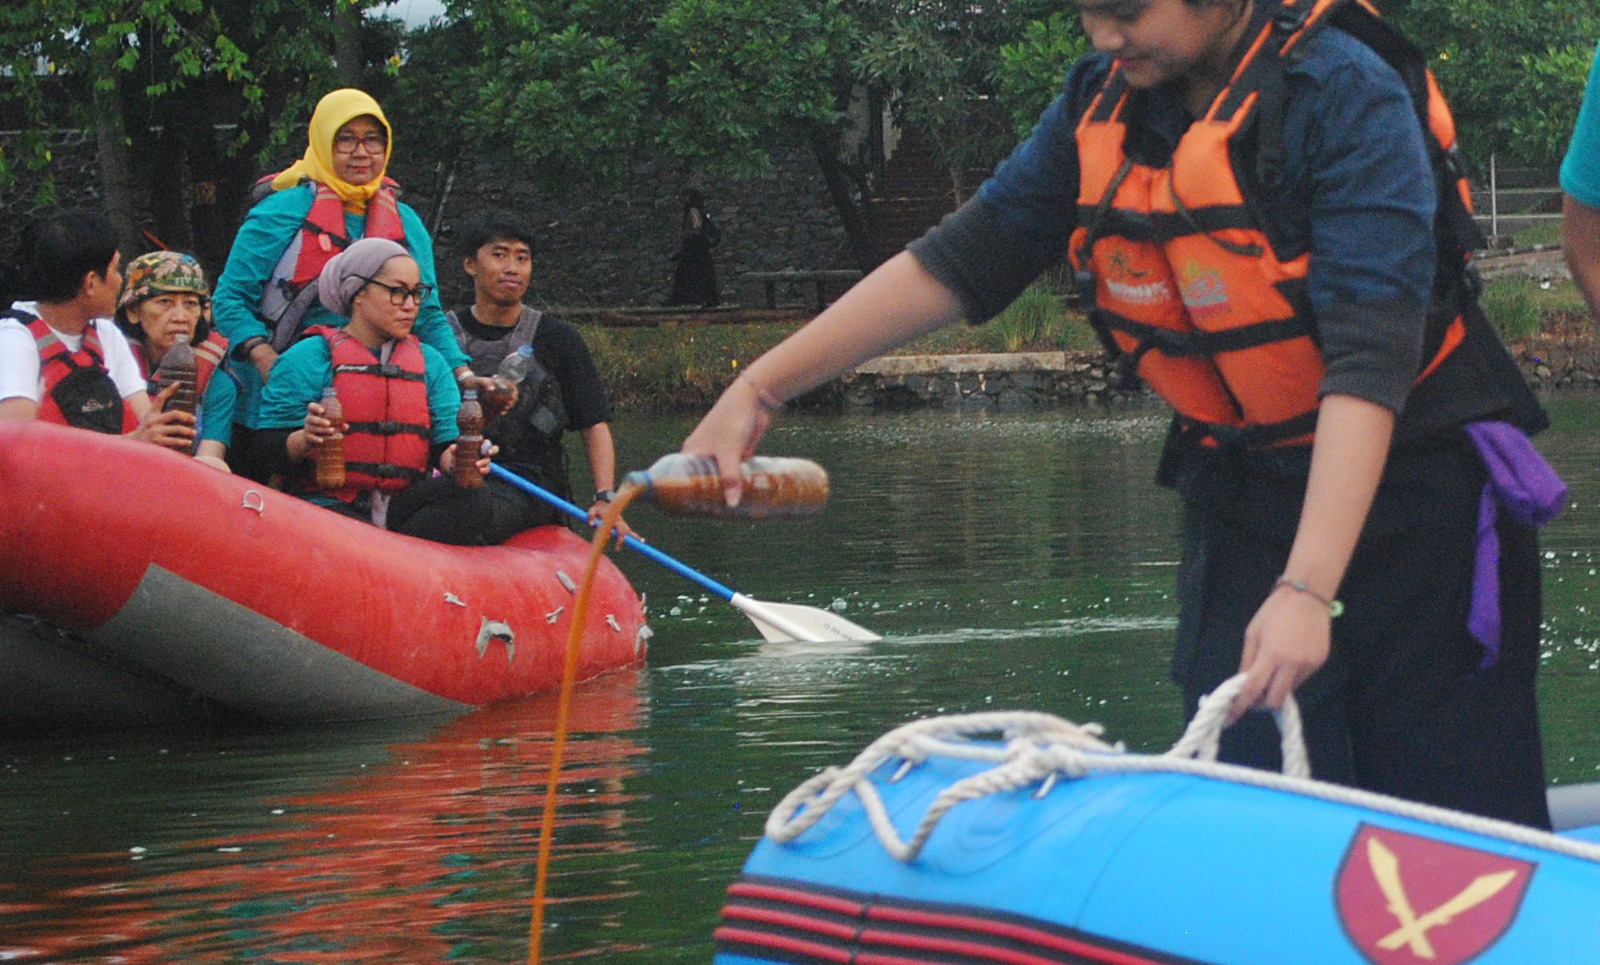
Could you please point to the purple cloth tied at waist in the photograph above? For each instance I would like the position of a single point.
(1522, 484)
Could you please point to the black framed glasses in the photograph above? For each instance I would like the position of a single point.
(347, 143)
(399, 293)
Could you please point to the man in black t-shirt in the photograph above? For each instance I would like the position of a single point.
(562, 390)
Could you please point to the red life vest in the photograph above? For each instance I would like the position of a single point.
(386, 410)
(287, 298)
(322, 235)
(1188, 283)
(101, 407)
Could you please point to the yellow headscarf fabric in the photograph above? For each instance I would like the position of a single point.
(334, 111)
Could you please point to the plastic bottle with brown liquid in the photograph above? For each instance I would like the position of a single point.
(469, 443)
(329, 456)
(775, 487)
(178, 366)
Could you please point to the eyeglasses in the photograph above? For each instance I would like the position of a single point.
(347, 143)
(399, 293)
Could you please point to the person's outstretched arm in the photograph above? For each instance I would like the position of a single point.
(896, 303)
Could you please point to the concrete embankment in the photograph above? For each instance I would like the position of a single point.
(1027, 380)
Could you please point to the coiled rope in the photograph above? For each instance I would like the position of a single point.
(1041, 749)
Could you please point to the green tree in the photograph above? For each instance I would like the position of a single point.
(573, 90)
(183, 97)
(1033, 67)
(1512, 70)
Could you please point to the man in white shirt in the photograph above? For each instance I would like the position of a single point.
(61, 359)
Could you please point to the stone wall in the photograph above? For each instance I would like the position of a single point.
(1030, 380)
(1012, 381)
(1568, 361)
(595, 249)
(616, 249)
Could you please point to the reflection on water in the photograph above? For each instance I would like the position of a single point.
(1020, 561)
(397, 846)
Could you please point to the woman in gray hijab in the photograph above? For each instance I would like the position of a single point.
(399, 401)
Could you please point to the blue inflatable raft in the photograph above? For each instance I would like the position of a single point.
(1023, 839)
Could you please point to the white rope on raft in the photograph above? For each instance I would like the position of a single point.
(1039, 749)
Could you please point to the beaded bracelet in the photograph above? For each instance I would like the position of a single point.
(1335, 607)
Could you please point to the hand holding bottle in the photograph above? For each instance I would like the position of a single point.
(469, 422)
(771, 487)
(505, 385)
(324, 433)
(165, 426)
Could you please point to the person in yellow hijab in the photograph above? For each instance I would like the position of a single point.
(344, 121)
(336, 194)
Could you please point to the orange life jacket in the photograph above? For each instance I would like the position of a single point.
(1188, 283)
(97, 404)
(386, 410)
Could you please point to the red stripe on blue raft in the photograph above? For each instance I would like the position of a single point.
(757, 939)
(796, 896)
(792, 920)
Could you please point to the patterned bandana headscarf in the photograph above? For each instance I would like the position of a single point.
(157, 272)
(345, 273)
(334, 111)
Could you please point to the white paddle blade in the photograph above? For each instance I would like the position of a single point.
(789, 622)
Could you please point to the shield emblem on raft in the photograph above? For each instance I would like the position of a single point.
(1405, 899)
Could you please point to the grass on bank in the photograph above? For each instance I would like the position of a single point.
(685, 367)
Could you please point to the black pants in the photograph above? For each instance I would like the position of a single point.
(511, 511)
(436, 509)
(1401, 706)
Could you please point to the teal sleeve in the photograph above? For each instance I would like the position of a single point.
(431, 328)
(262, 239)
(1580, 172)
(216, 409)
(298, 378)
(444, 396)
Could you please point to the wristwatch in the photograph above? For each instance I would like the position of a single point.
(241, 352)
(605, 495)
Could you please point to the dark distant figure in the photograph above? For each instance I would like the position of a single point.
(694, 277)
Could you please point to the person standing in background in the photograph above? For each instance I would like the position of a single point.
(694, 275)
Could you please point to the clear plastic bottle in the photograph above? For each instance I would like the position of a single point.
(329, 457)
(775, 487)
(178, 366)
(503, 385)
(469, 423)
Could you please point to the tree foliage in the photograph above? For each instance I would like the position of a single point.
(184, 97)
(1513, 70)
(573, 92)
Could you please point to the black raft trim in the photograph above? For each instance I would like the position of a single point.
(800, 923)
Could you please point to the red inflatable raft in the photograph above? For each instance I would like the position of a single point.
(154, 586)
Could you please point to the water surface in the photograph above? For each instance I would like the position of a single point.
(1010, 561)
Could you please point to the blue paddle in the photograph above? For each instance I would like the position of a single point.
(778, 622)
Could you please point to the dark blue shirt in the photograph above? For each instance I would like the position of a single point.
(1357, 192)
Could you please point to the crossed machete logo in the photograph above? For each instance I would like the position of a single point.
(1405, 899)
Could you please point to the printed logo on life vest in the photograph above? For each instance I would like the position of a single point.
(1405, 899)
(1203, 289)
(1120, 267)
